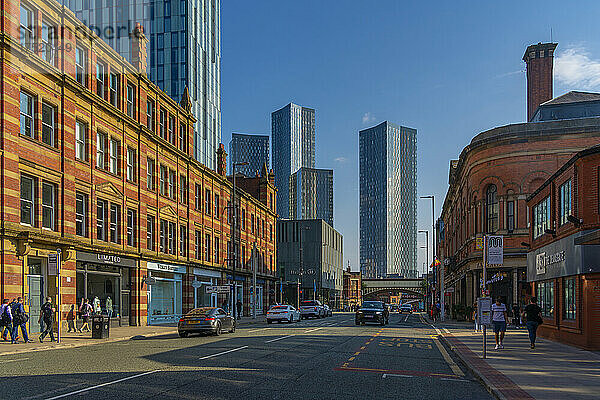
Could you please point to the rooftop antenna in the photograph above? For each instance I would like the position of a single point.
(551, 38)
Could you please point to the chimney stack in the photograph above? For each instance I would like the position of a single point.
(221, 160)
(540, 61)
(139, 52)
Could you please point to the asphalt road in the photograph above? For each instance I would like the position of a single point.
(318, 359)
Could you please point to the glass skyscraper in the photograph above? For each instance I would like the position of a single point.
(293, 147)
(184, 51)
(311, 194)
(253, 149)
(388, 201)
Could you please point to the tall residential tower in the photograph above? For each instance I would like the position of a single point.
(253, 149)
(184, 51)
(293, 147)
(388, 201)
(311, 194)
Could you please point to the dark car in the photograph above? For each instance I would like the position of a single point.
(372, 311)
(206, 320)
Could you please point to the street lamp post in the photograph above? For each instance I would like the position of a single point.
(433, 242)
(427, 263)
(234, 236)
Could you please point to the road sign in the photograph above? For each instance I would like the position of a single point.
(217, 289)
(484, 310)
(495, 250)
(479, 243)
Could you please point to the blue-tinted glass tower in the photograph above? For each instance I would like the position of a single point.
(253, 149)
(388, 201)
(184, 51)
(311, 194)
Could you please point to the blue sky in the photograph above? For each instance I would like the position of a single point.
(448, 69)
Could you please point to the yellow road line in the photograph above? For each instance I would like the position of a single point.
(455, 368)
(351, 358)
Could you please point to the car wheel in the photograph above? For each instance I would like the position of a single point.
(291, 319)
(232, 330)
(218, 329)
(183, 334)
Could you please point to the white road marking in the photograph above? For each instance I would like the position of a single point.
(446, 330)
(397, 376)
(280, 338)
(102, 385)
(455, 368)
(312, 330)
(257, 330)
(406, 319)
(454, 379)
(8, 361)
(223, 352)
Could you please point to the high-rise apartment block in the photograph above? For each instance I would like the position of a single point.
(184, 52)
(253, 149)
(293, 147)
(311, 194)
(388, 201)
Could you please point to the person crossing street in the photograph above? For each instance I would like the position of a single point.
(20, 319)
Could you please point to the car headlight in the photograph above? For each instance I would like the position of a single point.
(378, 312)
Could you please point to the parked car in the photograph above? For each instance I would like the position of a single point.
(283, 312)
(327, 311)
(372, 311)
(311, 308)
(206, 320)
(406, 308)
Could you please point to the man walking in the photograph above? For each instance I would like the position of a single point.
(47, 316)
(20, 319)
(499, 318)
(238, 305)
(533, 317)
(6, 321)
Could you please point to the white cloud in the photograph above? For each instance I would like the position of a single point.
(367, 117)
(575, 68)
(340, 159)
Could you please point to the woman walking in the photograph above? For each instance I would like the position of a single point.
(85, 311)
(534, 318)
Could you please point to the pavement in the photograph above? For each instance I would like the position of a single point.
(551, 371)
(315, 359)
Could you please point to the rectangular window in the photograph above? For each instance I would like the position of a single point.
(541, 217)
(207, 249)
(510, 215)
(114, 89)
(163, 122)
(172, 129)
(570, 298)
(48, 205)
(100, 150)
(216, 260)
(101, 220)
(172, 184)
(131, 231)
(81, 206)
(182, 189)
(565, 202)
(115, 223)
(131, 158)
(26, 105)
(80, 141)
(229, 212)
(164, 245)
(131, 100)
(270, 232)
(113, 165)
(28, 185)
(48, 115)
(252, 223)
(182, 240)
(150, 232)
(545, 295)
(197, 196)
(81, 66)
(27, 36)
(163, 180)
(182, 138)
(150, 115)
(243, 219)
(48, 44)
(172, 238)
(100, 68)
(150, 174)
(197, 244)
(207, 207)
(216, 206)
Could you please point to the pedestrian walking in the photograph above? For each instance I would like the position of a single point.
(20, 318)
(516, 315)
(239, 305)
(475, 319)
(499, 318)
(533, 318)
(47, 315)
(71, 319)
(12, 305)
(6, 321)
(85, 311)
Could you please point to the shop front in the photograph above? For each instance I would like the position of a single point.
(105, 280)
(165, 296)
(240, 282)
(201, 279)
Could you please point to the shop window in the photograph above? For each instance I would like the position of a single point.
(541, 217)
(101, 220)
(216, 260)
(207, 207)
(115, 223)
(131, 101)
(150, 174)
(545, 295)
(216, 206)
(131, 227)
(81, 206)
(131, 161)
(81, 130)
(207, 249)
(81, 66)
(114, 89)
(570, 298)
(26, 105)
(48, 205)
(150, 223)
(101, 139)
(28, 185)
(491, 209)
(26, 28)
(48, 123)
(565, 202)
(113, 165)
(182, 240)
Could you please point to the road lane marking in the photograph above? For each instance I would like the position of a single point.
(9, 361)
(102, 385)
(223, 352)
(257, 330)
(407, 318)
(280, 338)
(455, 368)
(312, 330)
(446, 330)
(454, 379)
(399, 376)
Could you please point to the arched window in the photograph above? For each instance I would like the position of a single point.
(491, 209)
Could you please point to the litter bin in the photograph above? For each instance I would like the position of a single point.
(100, 326)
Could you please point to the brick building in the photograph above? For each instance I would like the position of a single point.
(490, 182)
(562, 263)
(96, 162)
(352, 292)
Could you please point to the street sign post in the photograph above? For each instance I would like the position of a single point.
(484, 315)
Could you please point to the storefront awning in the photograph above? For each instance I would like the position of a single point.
(592, 237)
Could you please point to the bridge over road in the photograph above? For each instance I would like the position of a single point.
(384, 288)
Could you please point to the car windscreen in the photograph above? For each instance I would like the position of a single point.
(202, 311)
(372, 304)
(308, 303)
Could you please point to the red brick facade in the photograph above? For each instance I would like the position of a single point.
(80, 129)
(540, 59)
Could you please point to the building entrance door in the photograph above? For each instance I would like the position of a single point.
(36, 295)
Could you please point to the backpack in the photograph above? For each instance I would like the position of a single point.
(5, 317)
(19, 315)
(47, 313)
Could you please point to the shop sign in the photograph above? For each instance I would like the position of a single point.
(542, 261)
(149, 280)
(479, 243)
(196, 284)
(53, 260)
(176, 269)
(106, 259)
(217, 289)
(495, 250)
(206, 272)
